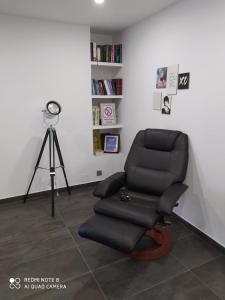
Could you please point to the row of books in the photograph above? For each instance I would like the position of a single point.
(107, 87)
(106, 53)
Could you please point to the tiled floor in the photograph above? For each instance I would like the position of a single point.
(32, 244)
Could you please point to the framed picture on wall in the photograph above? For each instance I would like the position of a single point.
(166, 105)
(161, 78)
(112, 143)
(184, 81)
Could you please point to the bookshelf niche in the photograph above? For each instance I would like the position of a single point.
(106, 91)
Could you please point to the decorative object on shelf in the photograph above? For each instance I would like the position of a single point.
(111, 144)
(106, 53)
(96, 114)
(161, 78)
(108, 113)
(157, 99)
(172, 79)
(183, 81)
(166, 105)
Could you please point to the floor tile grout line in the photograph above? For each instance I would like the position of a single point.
(191, 270)
(89, 268)
(200, 265)
(44, 256)
(204, 284)
(112, 264)
(197, 235)
(157, 284)
(172, 277)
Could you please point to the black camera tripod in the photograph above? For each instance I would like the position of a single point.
(53, 143)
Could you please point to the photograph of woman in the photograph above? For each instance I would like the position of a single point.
(166, 105)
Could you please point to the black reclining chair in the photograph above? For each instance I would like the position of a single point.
(137, 201)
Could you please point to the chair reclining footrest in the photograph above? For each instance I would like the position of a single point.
(112, 232)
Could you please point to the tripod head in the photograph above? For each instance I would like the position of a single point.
(51, 113)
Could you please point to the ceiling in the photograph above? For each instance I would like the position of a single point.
(113, 15)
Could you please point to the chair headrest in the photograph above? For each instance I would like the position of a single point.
(160, 139)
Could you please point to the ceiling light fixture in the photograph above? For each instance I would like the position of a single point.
(99, 1)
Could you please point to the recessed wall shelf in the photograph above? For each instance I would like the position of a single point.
(105, 64)
(108, 155)
(107, 97)
(102, 127)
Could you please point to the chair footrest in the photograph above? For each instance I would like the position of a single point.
(112, 232)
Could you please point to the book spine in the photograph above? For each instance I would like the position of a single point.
(121, 53)
(118, 86)
(101, 89)
(104, 87)
(93, 115)
(117, 54)
(113, 53)
(91, 51)
(112, 87)
(96, 87)
(94, 52)
(93, 88)
(107, 87)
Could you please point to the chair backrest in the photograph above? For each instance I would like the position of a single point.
(157, 159)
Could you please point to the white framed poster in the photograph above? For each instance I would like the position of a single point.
(108, 113)
(157, 98)
(172, 79)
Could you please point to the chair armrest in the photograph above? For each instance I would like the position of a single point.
(110, 185)
(170, 197)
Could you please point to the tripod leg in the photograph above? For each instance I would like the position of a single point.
(52, 168)
(37, 164)
(52, 194)
(61, 160)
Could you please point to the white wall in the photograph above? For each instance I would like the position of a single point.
(190, 33)
(42, 61)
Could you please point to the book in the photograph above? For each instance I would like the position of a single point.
(94, 55)
(107, 87)
(96, 115)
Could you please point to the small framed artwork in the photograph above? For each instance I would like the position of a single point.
(166, 105)
(161, 78)
(112, 143)
(183, 81)
(108, 113)
(172, 79)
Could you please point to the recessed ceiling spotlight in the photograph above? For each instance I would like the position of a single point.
(99, 1)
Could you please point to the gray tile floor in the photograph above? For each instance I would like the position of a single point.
(32, 244)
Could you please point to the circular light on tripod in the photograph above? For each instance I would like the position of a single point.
(53, 108)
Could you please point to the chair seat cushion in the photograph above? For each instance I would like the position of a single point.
(111, 232)
(142, 213)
